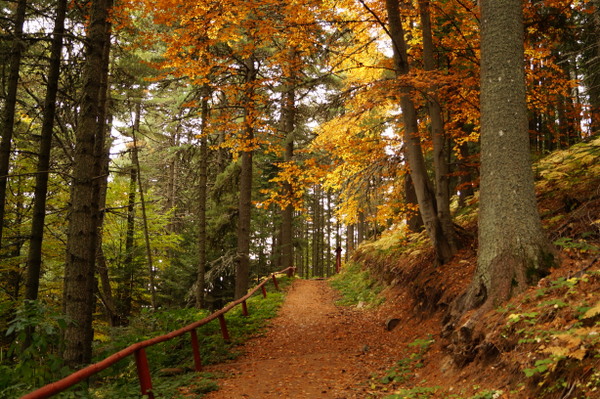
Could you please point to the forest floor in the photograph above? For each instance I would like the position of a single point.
(543, 343)
(316, 349)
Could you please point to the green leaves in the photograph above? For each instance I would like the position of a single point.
(540, 366)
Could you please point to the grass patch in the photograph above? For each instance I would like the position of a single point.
(120, 380)
(357, 286)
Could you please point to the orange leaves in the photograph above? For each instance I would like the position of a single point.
(292, 182)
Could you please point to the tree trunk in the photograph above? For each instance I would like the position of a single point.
(104, 289)
(466, 177)
(202, 197)
(360, 236)
(315, 232)
(287, 215)
(242, 272)
(34, 256)
(349, 240)
(593, 78)
(413, 220)
(328, 250)
(10, 104)
(82, 234)
(136, 164)
(441, 143)
(102, 153)
(513, 250)
(413, 151)
(126, 285)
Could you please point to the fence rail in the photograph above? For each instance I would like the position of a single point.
(139, 352)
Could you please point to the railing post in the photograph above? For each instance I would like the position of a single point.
(275, 282)
(224, 331)
(264, 291)
(244, 308)
(143, 370)
(196, 350)
(291, 271)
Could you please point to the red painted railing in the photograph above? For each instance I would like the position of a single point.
(139, 352)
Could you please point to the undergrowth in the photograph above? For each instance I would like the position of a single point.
(356, 286)
(558, 326)
(43, 365)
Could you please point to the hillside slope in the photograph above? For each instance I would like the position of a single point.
(542, 344)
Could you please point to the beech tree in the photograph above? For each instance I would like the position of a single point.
(442, 241)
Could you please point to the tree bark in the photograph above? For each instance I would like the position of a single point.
(102, 154)
(34, 256)
(412, 142)
(10, 104)
(242, 272)
(441, 143)
(466, 177)
(287, 215)
(414, 220)
(513, 250)
(78, 299)
(349, 240)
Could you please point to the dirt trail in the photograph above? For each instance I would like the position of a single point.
(313, 349)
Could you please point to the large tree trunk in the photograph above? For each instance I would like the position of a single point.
(513, 250)
(412, 142)
(242, 272)
(78, 300)
(10, 104)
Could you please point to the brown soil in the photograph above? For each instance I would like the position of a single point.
(315, 349)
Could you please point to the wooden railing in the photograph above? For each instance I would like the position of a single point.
(139, 352)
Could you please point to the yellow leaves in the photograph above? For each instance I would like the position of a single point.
(595, 310)
(574, 344)
(563, 168)
(291, 183)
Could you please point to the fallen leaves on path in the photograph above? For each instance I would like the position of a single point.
(313, 349)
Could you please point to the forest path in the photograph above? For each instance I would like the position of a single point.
(312, 349)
